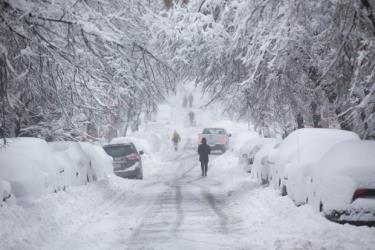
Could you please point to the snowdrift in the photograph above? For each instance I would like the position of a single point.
(31, 167)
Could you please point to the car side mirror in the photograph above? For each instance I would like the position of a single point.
(229, 135)
(141, 152)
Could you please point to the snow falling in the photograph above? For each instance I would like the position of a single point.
(110, 111)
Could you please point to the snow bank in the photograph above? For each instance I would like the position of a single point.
(33, 167)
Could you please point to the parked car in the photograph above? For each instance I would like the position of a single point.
(342, 184)
(250, 149)
(298, 170)
(127, 162)
(78, 171)
(290, 149)
(217, 139)
(261, 165)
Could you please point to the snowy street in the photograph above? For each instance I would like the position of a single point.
(187, 125)
(173, 207)
(176, 208)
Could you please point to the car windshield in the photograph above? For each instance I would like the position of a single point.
(119, 150)
(219, 131)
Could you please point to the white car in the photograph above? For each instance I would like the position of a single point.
(249, 149)
(298, 171)
(261, 165)
(342, 184)
(290, 149)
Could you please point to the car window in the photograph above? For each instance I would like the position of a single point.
(119, 150)
(218, 131)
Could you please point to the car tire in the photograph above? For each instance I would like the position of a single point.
(140, 175)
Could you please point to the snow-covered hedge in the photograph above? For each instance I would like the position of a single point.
(30, 167)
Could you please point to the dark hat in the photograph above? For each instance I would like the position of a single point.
(204, 141)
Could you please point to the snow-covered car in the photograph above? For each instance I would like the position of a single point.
(28, 166)
(217, 139)
(249, 149)
(127, 162)
(342, 185)
(290, 149)
(73, 163)
(261, 165)
(298, 171)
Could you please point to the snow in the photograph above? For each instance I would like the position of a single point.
(101, 163)
(25, 163)
(298, 170)
(290, 148)
(174, 207)
(33, 167)
(346, 167)
(261, 168)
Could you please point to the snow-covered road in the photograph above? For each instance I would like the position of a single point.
(175, 208)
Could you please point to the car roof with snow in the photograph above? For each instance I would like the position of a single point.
(291, 146)
(352, 158)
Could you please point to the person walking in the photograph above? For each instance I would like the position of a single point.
(191, 99)
(185, 101)
(204, 150)
(191, 118)
(176, 139)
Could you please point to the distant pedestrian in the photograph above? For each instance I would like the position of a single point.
(185, 102)
(204, 150)
(191, 99)
(191, 118)
(176, 139)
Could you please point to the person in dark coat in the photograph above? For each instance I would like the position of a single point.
(204, 150)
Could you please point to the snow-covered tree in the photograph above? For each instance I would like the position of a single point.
(69, 64)
(283, 64)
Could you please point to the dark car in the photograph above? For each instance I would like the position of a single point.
(127, 162)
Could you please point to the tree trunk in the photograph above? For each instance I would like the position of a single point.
(300, 121)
